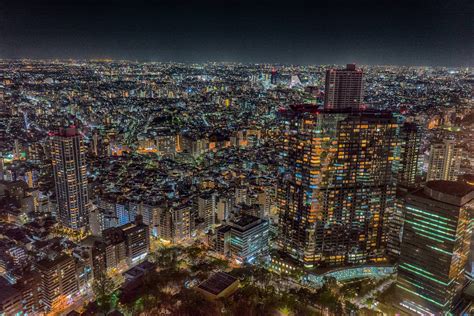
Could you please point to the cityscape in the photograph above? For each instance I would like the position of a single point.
(152, 187)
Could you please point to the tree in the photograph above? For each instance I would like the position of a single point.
(103, 287)
(192, 303)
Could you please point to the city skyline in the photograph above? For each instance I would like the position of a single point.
(211, 158)
(417, 33)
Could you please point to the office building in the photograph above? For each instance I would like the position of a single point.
(70, 178)
(244, 238)
(336, 185)
(444, 161)
(435, 246)
(58, 280)
(344, 88)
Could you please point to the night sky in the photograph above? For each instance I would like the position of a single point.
(400, 32)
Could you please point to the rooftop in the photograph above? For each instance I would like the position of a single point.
(454, 188)
(217, 283)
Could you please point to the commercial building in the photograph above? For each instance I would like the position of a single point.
(70, 178)
(435, 246)
(244, 238)
(344, 88)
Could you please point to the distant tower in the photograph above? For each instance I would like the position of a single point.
(274, 76)
(435, 247)
(2, 168)
(445, 161)
(70, 178)
(95, 144)
(344, 88)
(295, 81)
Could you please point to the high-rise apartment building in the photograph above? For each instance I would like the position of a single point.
(176, 223)
(344, 88)
(58, 280)
(336, 185)
(207, 208)
(445, 161)
(435, 246)
(70, 178)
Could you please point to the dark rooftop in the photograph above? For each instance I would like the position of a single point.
(217, 283)
(455, 188)
(245, 221)
(7, 291)
(48, 264)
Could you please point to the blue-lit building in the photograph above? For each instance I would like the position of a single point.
(244, 238)
(249, 238)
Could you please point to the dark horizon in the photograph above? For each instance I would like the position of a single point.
(409, 33)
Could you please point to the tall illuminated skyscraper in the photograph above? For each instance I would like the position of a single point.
(445, 161)
(336, 185)
(344, 88)
(410, 144)
(70, 178)
(435, 246)
(408, 172)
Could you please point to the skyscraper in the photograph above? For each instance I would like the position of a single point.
(336, 185)
(407, 171)
(410, 143)
(444, 161)
(70, 178)
(344, 88)
(435, 246)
